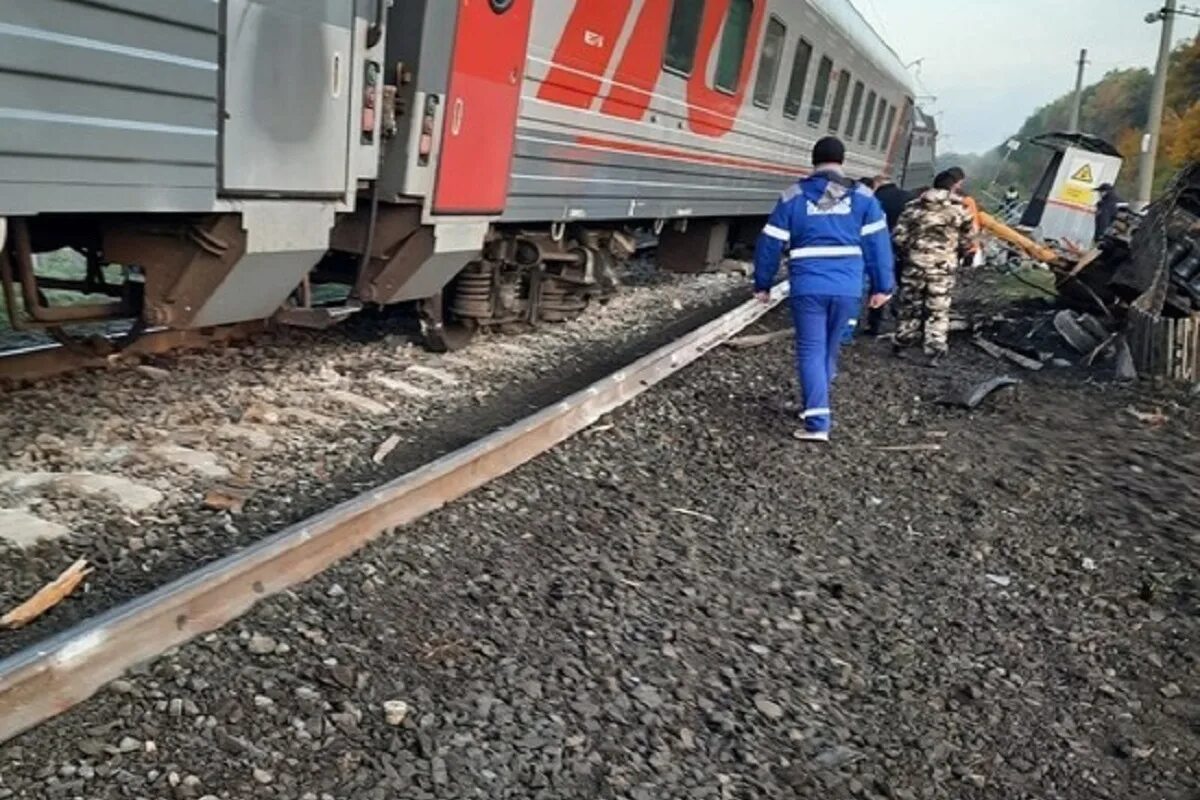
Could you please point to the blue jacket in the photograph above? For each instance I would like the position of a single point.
(832, 229)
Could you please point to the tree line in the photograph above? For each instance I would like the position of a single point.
(1116, 109)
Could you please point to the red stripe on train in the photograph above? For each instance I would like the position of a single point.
(641, 64)
(585, 49)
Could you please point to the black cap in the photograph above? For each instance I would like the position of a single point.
(829, 150)
(1104, 187)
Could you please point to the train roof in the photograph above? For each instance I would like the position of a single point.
(924, 122)
(843, 15)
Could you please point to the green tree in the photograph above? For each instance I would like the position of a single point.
(1116, 109)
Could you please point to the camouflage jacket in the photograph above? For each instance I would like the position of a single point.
(936, 226)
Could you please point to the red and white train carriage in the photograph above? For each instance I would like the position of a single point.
(488, 159)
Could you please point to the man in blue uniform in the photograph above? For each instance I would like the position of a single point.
(832, 229)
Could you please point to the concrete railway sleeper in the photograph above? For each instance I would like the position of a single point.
(54, 675)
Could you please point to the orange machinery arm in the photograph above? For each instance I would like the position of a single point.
(1004, 233)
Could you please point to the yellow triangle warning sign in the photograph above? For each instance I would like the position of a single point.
(1084, 174)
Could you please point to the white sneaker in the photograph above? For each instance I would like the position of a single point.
(812, 436)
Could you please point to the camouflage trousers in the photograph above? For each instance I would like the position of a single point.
(925, 290)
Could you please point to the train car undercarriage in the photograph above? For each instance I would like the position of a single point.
(175, 270)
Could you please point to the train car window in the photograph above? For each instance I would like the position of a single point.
(820, 91)
(890, 127)
(683, 35)
(868, 116)
(733, 45)
(768, 64)
(855, 107)
(839, 100)
(878, 123)
(795, 92)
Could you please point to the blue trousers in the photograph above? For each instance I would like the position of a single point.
(820, 322)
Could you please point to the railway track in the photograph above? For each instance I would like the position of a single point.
(51, 676)
(38, 362)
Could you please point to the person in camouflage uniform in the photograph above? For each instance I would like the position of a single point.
(934, 234)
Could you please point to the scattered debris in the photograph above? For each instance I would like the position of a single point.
(768, 708)
(999, 580)
(971, 397)
(1080, 335)
(157, 373)
(227, 498)
(395, 712)
(261, 645)
(385, 449)
(911, 448)
(996, 351)
(688, 512)
(1126, 370)
(1155, 418)
(47, 597)
(736, 267)
(1103, 347)
(758, 339)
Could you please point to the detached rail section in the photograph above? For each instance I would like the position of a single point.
(53, 676)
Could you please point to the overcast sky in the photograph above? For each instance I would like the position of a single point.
(991, 63)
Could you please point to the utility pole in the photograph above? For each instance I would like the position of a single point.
(1077, 105)
(1157, 101)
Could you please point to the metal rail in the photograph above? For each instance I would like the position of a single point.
(46, 361)
(51, 677)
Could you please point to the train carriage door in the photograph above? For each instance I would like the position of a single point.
(486, 69)
(286, 95)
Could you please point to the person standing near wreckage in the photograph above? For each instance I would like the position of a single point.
(832, 229)
(934, 235)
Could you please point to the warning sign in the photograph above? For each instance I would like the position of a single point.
(1082, 179)
(1084, 174)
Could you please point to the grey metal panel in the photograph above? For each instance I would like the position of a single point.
(108, 105)
(325, 12)
(287, 96)
(85, 172)
(18, 198)
(64, 135)
(257, 287)
(27, 54)
(108, 28)
(80, 99)
(197, 13)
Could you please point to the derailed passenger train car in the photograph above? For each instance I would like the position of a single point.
(489, 160)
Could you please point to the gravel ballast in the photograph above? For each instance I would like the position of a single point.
(684, 602)
(153, 469)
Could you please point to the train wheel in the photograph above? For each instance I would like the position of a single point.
(442, 332)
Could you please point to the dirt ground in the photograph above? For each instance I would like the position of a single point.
(684, 602)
